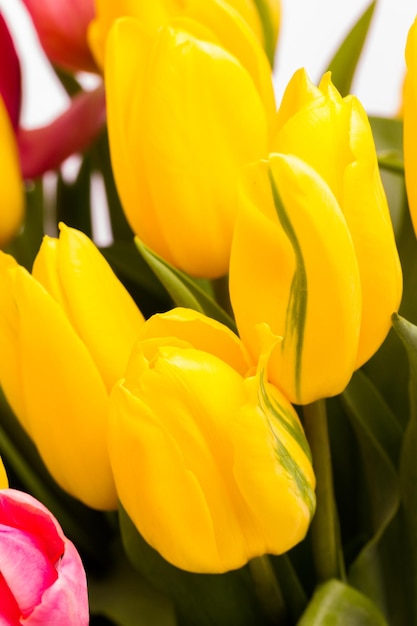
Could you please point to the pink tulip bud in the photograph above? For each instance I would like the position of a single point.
(42, 580)
(62, 30)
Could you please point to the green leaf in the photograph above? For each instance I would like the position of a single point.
(379, 437)
(125, 260)
(337, 604)
(408, 465)
(183, 290)
(344, 63)
(199, 599)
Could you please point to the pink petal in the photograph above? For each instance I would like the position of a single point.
(26, 570)
(21, 511)
(66, 601)
(10, 612)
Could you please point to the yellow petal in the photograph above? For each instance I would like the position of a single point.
(318, 308)
(177, 427)
(64, 394)
(271, 455)
(410, 122)
(366, 211)
(4, 483)
(224, 19)
(333, 135)
(10, 369)
(123, 71)
(11, 193)
(96, 303)
(201, 332)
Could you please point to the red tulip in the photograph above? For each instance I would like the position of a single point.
(62, 30)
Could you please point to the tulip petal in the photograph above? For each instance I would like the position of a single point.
(318, 307)
(162, 479)
(11, 194)
(45, 148)
(233, 33)
(201, 332)
(4, 483)
(10, 367)
(196, 111)
(271, 457)
(66, 400)
(18, 549)
(98, 306)
(65, 601)
(373, 238)
(410, 122)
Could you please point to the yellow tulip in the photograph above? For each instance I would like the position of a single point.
(11, 196)
(410, 122)
(333, 135)
(157, 13)
(65, 336)
(294, 275)
(184, 117)
(209, 459)
(4, 483)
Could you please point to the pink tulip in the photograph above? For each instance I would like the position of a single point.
(62, 30)
(42, 580)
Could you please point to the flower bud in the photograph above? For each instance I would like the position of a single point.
(294, 269)
(184, 111)
(210, 460)
(65, 336)
(333, 135)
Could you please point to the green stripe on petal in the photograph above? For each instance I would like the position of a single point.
(286, 420)
(297, 305)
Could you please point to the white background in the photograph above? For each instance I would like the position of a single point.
(311, 31)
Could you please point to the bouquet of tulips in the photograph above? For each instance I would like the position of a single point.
(212, 420)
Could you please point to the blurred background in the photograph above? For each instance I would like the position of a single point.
(311, 32)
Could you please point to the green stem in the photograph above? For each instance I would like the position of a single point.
(268, 590)
(325, 530)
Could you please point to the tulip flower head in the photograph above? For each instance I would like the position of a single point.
(185, 111)
(313, 254)
(66, 334)
(225, 472)
(42, 579)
